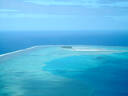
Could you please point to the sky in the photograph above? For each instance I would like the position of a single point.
(63, 15)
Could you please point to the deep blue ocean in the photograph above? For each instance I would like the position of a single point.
(11, 41)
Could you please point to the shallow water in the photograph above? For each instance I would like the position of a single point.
(56, 71)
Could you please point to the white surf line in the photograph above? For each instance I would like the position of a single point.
(92, 50)
(17, 51)
(99, 50)
(95, 49)
(25, 49)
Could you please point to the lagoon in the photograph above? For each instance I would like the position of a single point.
(51, 70)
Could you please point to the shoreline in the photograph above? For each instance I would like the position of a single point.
(21, 50)
(72, 49)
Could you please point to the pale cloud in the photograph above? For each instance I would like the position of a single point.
(67, 14)
(8, 10)
(87, 3)
(64, 2)
(23, 15)
(119, 18)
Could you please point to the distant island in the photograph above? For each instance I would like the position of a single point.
(68, 47)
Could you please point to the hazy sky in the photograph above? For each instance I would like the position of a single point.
(41, 15)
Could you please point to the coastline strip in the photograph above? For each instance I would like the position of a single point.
(9, 53)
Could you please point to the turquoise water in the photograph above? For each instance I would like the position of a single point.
(56, 71)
